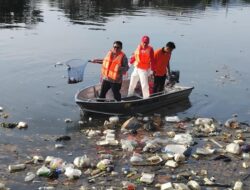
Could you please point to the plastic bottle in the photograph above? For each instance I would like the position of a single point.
(43, 171)
(59, 146)
(13, 168)
(106, 156)
(126, 169)
(46, 188)
(246, 156)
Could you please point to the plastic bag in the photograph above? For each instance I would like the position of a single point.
(128, 145)
(136, 157)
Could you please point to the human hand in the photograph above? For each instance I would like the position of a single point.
(96, 61)
(151, 77)
(150, 72)
(93, 61)
(132, 59)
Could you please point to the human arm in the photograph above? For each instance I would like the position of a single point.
(156, 58)
(168, 67)
(168, 72)
(152, 58)
(99, 61)
(132, 59)
(124, 66)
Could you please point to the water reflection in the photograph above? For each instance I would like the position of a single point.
(172, 109)
(27, 13)
(99, 10)
(19, 13)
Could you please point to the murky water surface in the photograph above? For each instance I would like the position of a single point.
(212, 54)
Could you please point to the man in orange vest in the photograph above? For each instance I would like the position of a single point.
(143, 61)
(162, 66)
(114, 65)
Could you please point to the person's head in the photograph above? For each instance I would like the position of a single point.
(144, 41)
(117, 46)
(170, 46)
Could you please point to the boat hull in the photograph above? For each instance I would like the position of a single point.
(128, 105)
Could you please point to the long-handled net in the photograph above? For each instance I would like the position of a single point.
(76, 69)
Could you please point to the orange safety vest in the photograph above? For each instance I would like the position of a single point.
(142, 57)
(161, 62)
(110, 66)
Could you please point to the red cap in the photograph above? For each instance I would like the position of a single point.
(145, 39)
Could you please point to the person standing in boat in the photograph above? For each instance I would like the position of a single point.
(161, 70)
(114, 65)
(143, 61)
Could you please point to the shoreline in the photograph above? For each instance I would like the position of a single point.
(212, 162)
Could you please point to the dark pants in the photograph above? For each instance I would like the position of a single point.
(159, 83)
(115, 87)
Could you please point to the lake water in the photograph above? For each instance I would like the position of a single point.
(212, 54)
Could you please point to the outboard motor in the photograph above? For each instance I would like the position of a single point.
(174, 76)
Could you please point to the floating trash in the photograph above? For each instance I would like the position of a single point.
(147, 178)
(167, 186)
(233, 148)
(194, 185)
(72, 173)
(17, 167)
(29, 177)
(22, 125)
(172, 119)
(82, 161)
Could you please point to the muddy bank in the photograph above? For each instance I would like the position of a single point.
(153, 152)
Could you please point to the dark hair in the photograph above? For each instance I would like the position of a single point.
(170, 45)
(119, 43)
